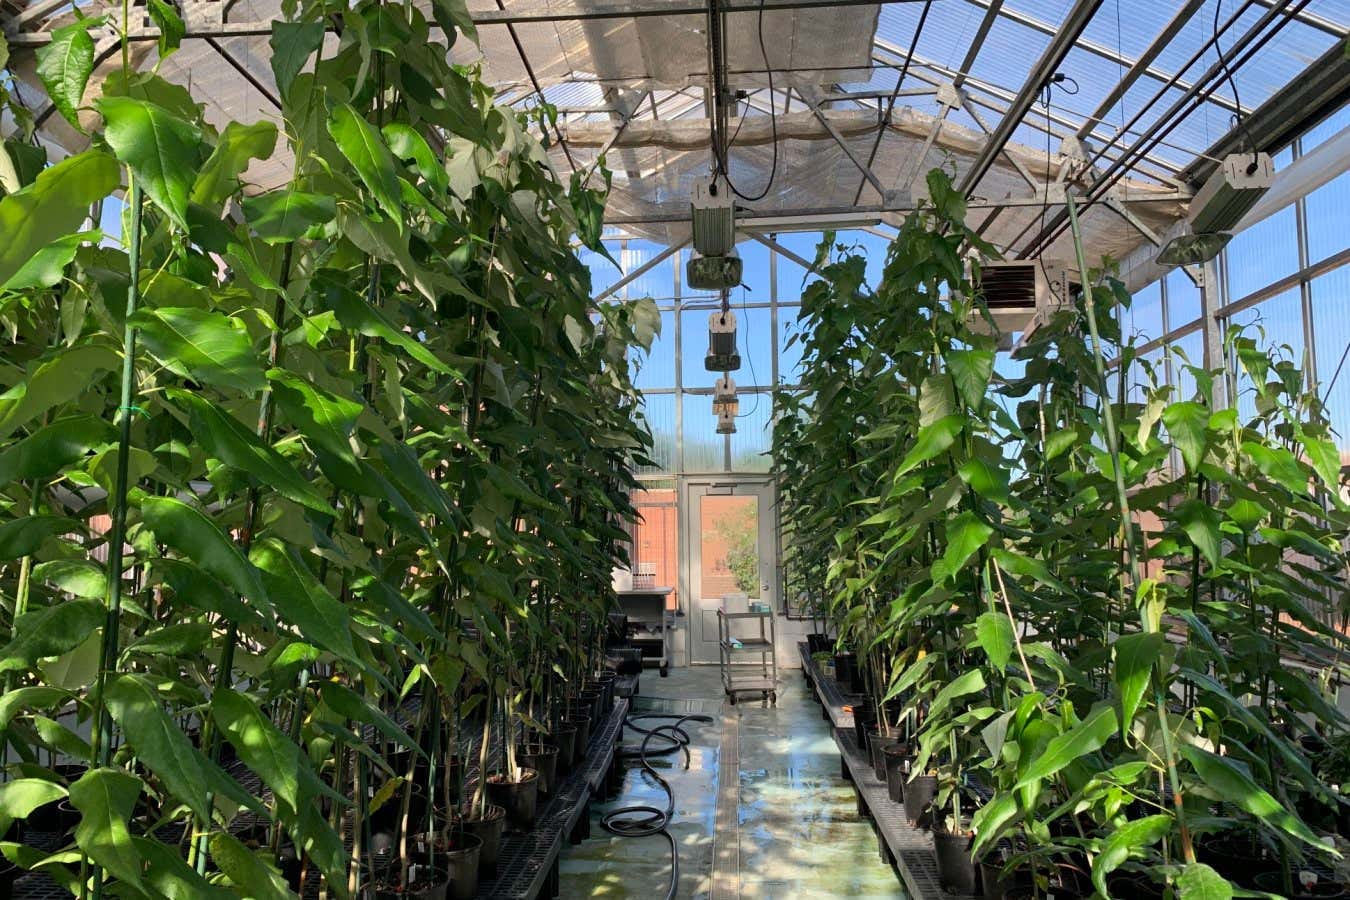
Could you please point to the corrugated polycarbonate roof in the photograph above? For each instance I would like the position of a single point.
(630, 77)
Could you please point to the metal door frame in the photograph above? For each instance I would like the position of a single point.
(694, 487)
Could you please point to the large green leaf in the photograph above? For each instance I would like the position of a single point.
(225, 437)
(15, 700)
(53, 206)
(237, 145)
(966, 683)
(169, 23)
(1136, 654)
(302, 600)
(1187, 424)
(187, 530)
(23, 537)
(53, 447)
(324, 418)
(246, 869)
(106, 799)
(261, 745)
(285, 215)
(452, 16)
(65, 64)
(158, 147)
(1201, 522)
(51, 631)
(407, 143)
(199, 590)
(158, 741)
(930, 441)
(971, 371)
(1231, 783)
(1132, 837)
(1200, 882)
(354, 313)
(994, 633)
(81, 578)
(47, 267)
(364, 147)
(292, 43)
(1086, 737)
(170, 875)
(966, 534)
(205, 346)
(21, 796)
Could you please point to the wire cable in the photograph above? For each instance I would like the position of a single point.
(645, 821)
(1239, 121)
(721, 146)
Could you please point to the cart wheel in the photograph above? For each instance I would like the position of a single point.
(732, 698)
(665, 671)
(773, 698)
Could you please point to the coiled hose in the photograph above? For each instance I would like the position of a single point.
(645, 821)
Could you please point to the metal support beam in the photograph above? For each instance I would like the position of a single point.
(640, 271)
(1058, 48)
(863, 167)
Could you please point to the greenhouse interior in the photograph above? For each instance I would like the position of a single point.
(727, 449)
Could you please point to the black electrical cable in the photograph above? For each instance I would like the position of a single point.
(1239, 121)
(645, 821)
(721, 146)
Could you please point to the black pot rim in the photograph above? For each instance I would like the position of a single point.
(526, 776)
(538, 748)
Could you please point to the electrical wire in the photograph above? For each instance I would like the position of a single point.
(1239, 121)
(645, 821)
(721, 146)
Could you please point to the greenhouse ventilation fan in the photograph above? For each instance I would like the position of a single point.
(714, 265)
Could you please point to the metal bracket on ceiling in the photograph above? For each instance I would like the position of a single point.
(950, 96)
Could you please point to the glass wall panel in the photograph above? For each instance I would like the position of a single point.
(790, 337)
(658, 282)
(1186, 352)
(660, 412)
(1266, 252)
(1275, 324)
(1331, 323)
(704, 448)
(1328, 214)
(1143, 321)
(754, 433)
(657, 369)
(1183, 300)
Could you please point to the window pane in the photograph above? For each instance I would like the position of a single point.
(1331, 321)
(754, 339)
(603, 272)
(704, 448)
(789, 349)
(660, 412)
(657, 370)
(1328, 210)
(1329, 128)
(754, 436)
(792, 278)
(1264, 253)
(1183, 300)
(659, 281)
(1143, 321)
(755, 277)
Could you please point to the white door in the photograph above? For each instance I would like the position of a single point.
(727, 528)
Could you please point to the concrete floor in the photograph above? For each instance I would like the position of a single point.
(796, 831)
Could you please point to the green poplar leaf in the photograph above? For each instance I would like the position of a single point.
(324, 418)
(106, 799)
(170, 25)
(966, 683)
(246, 869)
(302, 600)
(965, 536)
(160, 148)
(1230, 782)
(407, 143)
(181, 639)
(1277, 464)
(48, 266)
(78, 577)
(1325, 459)
(20, 796)
(937, 398)
(197, 537)
(225, 437)
(54, 447)
(238, 144)
(355, 314)
(994, 633)
(1187, 424)
(1130, 838)
(1136, 655)
(25, 698)
(206, 346)
(452, 16)
(293, 43)
(261, 745)
(988, 479)
(1086, 737)
(158, 741)
(350, 705)
(283, 216)
(170, 875)
(930, 441)
(53, 206)
(23, 537)
(199, 590)
(51, 631)
(65, 64)
(365, 149)
(1200, 882)
(971, 371)
(1201, 522)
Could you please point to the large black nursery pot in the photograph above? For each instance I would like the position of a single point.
(424, 883)
(564, 737)
(1238, 856)
(956, 867)
(898, 759)
(846, 671)
(919, 793)
(877, 738)
(488, 830)
(818, 643)
(543, 758)
(459, 854)
(862, 718)
(995, 879)
(582, 723)
(606, 680)
(519, 798)
(591, 699)
(1310, 882)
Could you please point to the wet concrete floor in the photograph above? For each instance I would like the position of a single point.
(790, 823)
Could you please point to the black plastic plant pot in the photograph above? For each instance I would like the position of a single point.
(845, 664)
(956, 867)
(898, 760)
(1322, 884)
(862, 718)
(1133, 884)
(425, 883)
(1238, 856)
(919, 793)
(565, 738)
(818, 643)
(520, 798)
(488, 830)
(543, 758)
(593, 698)
(582, 723)
(876, 740)
(461, 864)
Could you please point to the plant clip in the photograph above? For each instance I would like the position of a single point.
(135, 409)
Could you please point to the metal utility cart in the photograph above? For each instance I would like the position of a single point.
(647, 631)
(741, 673)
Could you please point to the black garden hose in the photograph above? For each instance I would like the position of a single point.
(644, 821)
